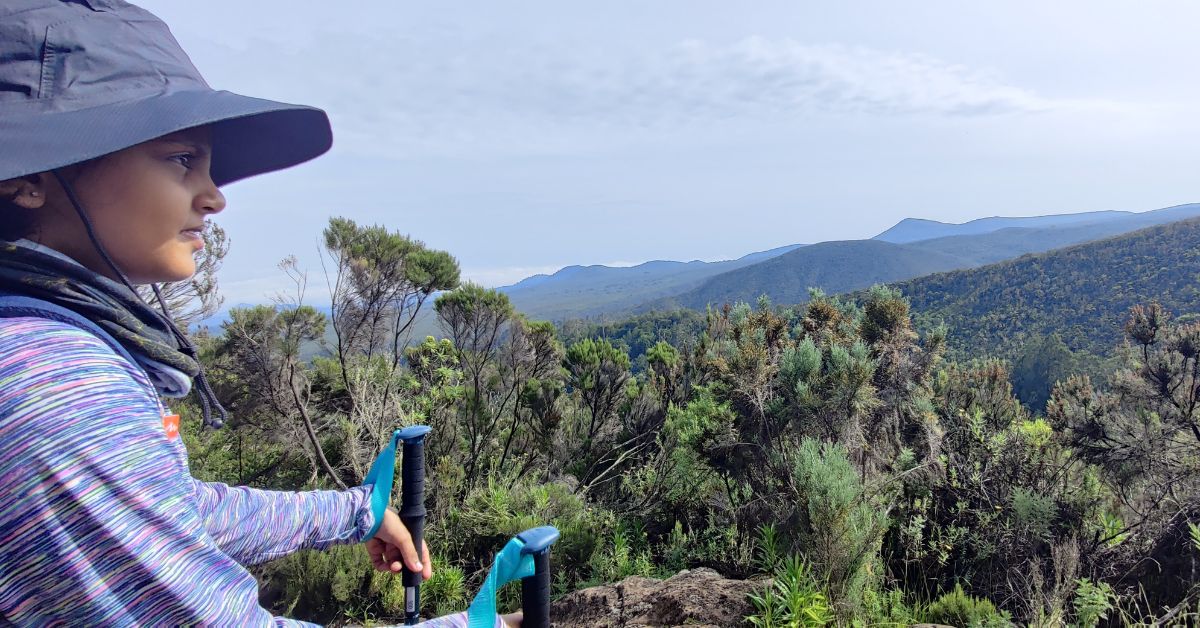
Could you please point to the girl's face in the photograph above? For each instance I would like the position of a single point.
(147, 203)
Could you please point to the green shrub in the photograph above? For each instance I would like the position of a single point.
(887, 608)
(840, 526)
(794, 599)
(475, 530)
(1092, 602)
(956, 608)
(445, 592)
(618, 560)
(321, 586)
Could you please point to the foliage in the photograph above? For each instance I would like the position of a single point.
(445, 592)
(838, 526)
(831, 444)
(1082, 293)
(1141, 432)
(956, 608)
(1040, 363)
(794, 600)
(1092, 602)
(497, 510)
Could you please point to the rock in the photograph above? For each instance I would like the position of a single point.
(695, 598)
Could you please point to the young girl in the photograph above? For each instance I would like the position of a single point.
(112, 152)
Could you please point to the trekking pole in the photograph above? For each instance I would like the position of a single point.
(535, 589)
(412, 512)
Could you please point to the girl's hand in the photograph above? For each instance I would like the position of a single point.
(392, 543)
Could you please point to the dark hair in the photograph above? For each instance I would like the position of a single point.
(16, 222)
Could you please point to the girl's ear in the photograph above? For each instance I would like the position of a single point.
(26, 192)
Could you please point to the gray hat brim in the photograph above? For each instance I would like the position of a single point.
(250, 135)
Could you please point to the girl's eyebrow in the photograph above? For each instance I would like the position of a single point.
(193, 145)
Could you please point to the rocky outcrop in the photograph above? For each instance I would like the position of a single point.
(695, 598)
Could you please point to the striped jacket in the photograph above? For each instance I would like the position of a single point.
(100, 521)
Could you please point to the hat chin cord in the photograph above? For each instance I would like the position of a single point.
(208, 398)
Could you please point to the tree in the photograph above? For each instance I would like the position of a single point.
(380, 280)
(597, 373)
(261, 349)
(1143, 431)
(505, 360)
(1043, 361)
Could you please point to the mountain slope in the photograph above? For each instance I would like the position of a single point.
(831, 266)
(584, 291)
(851, 265)
(1082, 292)
(915, 229)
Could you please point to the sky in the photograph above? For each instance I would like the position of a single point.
(527, 136)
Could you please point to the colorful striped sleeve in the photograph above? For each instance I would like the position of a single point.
(255, 526)
(98, 516)
(458, 620)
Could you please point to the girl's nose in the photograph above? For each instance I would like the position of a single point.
(212, 201)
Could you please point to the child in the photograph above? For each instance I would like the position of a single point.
(112, 151)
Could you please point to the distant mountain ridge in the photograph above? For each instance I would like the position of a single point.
(916, 229)
(855, 264)
(584, 291)
(786, 273)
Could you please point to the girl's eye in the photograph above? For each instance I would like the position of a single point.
(183, 159)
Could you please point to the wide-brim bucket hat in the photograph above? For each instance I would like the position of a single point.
(84, 78)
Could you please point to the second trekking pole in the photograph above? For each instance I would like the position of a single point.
(412, 512)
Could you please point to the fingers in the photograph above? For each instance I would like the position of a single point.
(409, 554)
(395, 535)
(427, 564)
(375, 549)
(393, 557)
(392, 548)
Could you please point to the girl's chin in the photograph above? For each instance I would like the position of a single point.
(175, 270)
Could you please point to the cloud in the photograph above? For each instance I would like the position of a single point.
(450, 92)
(480, 95)
(789, 76)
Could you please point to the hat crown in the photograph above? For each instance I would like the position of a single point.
(67, 55)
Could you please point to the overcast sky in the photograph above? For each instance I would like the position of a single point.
(525, 136)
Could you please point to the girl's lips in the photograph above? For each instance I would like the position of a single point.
(194, 237)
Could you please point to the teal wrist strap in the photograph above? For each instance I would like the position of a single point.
(510, 564)
(379, 478)
(383, 473)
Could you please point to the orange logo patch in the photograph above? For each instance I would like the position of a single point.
(171, 426)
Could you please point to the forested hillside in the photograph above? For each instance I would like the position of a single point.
(836, 267)
(1082, 293)
(831, 266)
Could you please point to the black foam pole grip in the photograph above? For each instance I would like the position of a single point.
(412, 514)
(535, 593)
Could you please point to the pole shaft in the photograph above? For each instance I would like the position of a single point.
(535, 593)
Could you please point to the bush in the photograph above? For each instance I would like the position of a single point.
(1092, 602)
(474, 531)
(444, 593)
(840, 525)
(794, 599)
(321, 586)
(956, 608)
(887, 608)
